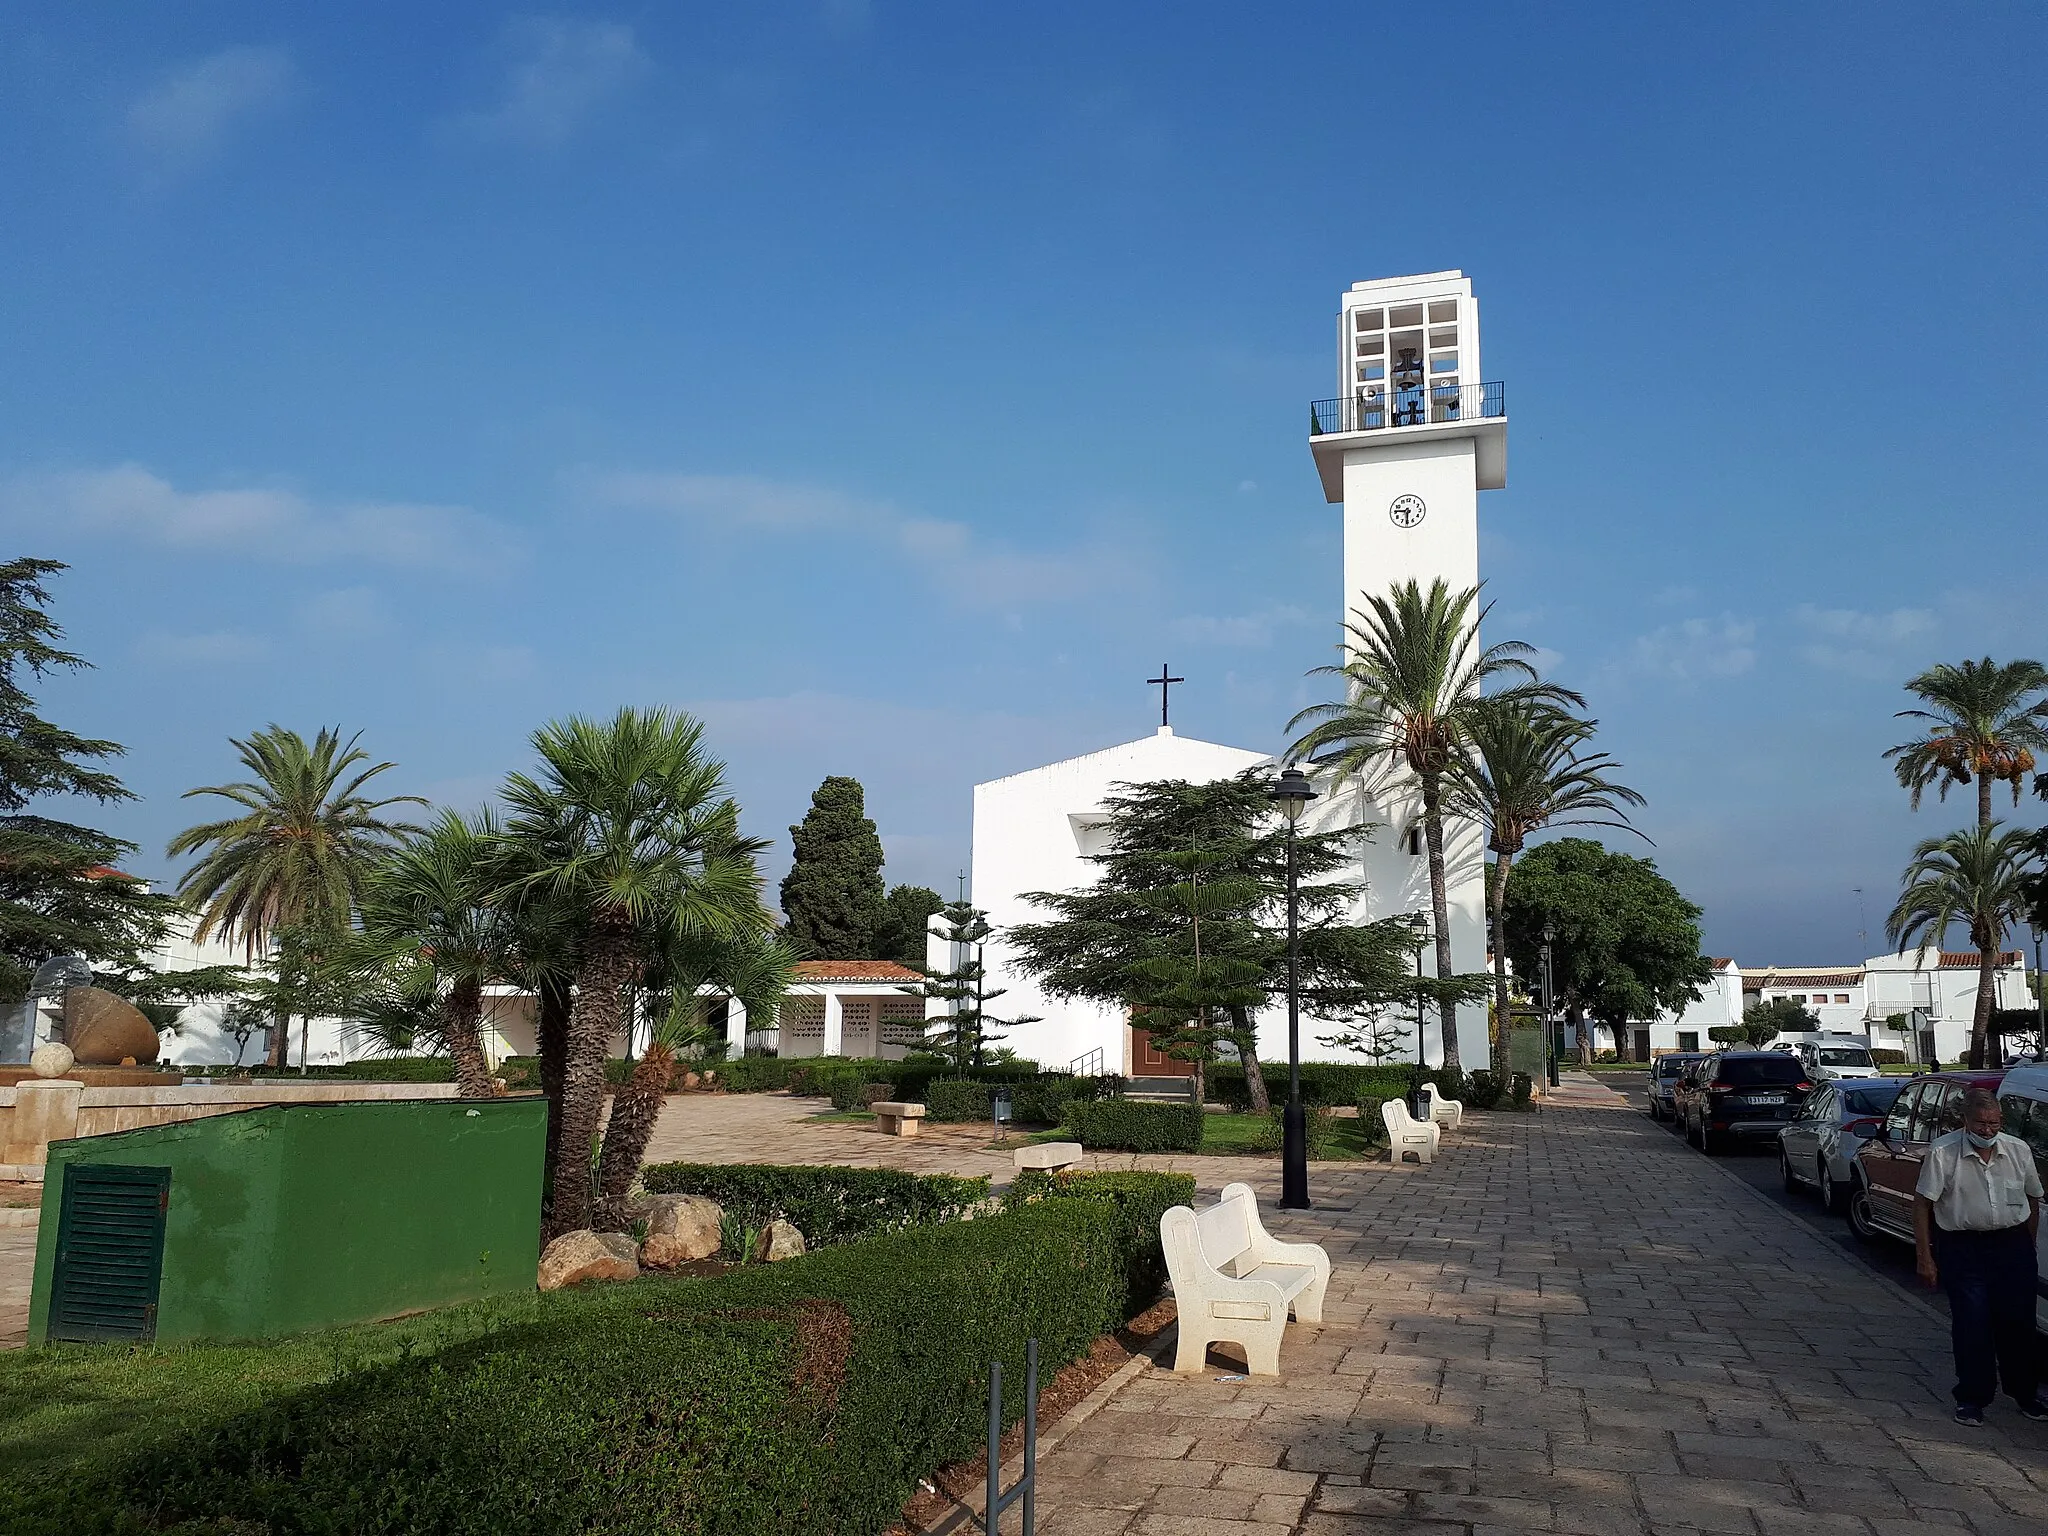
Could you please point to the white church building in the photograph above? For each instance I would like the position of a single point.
(1406, 444)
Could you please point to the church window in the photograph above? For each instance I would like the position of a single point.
(1442, 310)
(1413, 840)
(1371, 346)
(1406, 314)
(1369, 319)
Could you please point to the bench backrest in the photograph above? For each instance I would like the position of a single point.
(1224, 1232)
(1395, 1113)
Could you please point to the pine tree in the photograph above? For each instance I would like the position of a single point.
(60, 890)
(968, 1029)
(906, 916)
(832, 896)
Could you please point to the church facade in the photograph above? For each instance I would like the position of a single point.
(1411, 437)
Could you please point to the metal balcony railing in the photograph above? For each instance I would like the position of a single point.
(1373, 410)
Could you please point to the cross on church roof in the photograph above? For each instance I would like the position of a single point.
(1163, 682)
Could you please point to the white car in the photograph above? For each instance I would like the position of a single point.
(1824, 1059)
(1837, 1118)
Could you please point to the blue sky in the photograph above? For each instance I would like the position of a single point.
(897, 386)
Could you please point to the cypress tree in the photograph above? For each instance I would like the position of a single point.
(832, 896)
(905, 917)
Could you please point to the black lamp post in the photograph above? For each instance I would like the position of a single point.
(2040, 997)
(1291, 792)
(1418, 925)
(1549, 1007)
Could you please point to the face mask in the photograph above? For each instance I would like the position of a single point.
(1982, 1143)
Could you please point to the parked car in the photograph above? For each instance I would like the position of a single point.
(1887, 1166)
(1740, 1095)
(2023, 1099)
(1846, 1057)
(1820, 1143)
(1665, 1072)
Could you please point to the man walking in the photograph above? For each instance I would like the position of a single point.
(1975, 1214)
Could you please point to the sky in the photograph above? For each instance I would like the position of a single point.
(894, 387)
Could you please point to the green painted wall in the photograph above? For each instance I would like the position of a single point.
(301, 1216)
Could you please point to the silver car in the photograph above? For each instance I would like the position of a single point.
(1837, 1118)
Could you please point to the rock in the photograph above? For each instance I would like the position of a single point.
(103, 1029)
(680, 1229)
(586, 1255)
(50, 1059)
(779, 1240)
(691, 1079)
(710, 1077)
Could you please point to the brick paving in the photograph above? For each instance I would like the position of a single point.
(1571, 1323)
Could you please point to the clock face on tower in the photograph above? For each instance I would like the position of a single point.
(1407, 511)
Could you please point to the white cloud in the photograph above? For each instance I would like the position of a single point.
(1250, 629)
(347, 613)
(261, 523)
(558, 73)
(183, 119)
(1861, 644)
(1696, 648)
(219, 648)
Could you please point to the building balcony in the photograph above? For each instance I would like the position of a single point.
(1420, 413)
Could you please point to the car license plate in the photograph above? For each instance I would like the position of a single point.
(1767, 1098)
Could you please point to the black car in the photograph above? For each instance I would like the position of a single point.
(1665, 1072)
(1740, 1095)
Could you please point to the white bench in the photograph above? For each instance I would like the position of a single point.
(1449, 1113)
(1407, 1134)
(894, 1119)
(1049, 1156)
(1233, 1283)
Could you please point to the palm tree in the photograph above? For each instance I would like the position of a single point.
(300, 851)
(1526, 771)
(1415, 677)
(1985, 720)
(628, 833)
(1977, 878)
(434, 902)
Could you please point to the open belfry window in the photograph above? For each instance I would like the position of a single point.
(1412, 841)
(1405, 364)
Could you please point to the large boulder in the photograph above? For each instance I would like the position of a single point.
(680, 1230)
(106, 1031)
(779, 1240)
(586, 1255)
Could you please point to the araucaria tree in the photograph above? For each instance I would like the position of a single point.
(298, 852)
(627, 834)
(1415, 677)
(832, 898)
(1976, 878)
(1983, 720)
(1527, 768)
(966, 1030)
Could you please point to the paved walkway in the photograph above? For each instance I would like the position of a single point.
(1568, 1323)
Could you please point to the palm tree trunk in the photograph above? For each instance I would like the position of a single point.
(461, 1012)
(1497, 906)
(1246, 1038)
(280, 1038)
(609, 963)
(635, 1109)
(551, 1042)
(1433, 833)
(1987, 996)
(1983, 802)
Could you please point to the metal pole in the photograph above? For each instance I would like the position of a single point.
(993, 1489)
(2040, 1002)
(1293, 1120)
(1030, 1435)
(1549, 1007)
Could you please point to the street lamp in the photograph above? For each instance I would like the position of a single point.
(1549, 1004)
(1418, 926)
(1291, 792)
(2040, 997)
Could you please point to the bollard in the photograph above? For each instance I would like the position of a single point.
(1027, 1485)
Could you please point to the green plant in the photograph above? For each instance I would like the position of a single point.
(1522, 1087)
(833, 894)
(1042, 1100)
(1140, 1199)
(1124, 1125)
(1369, 1102)
(829, 1205)
(1453, 1084)
(1322, 1082)
(1317, 1124)
(1884, 1057)
(737, 1240)
(755, 1074)
(956, 1099)
(1483, 1090)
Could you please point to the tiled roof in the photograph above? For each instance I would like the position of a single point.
(1960, 959)
(1779, 976)
(854, 970)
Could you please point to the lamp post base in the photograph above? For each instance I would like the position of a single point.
(1294, 1157)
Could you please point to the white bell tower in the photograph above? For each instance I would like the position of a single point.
(1412, 436)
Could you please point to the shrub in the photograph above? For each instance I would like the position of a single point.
(1124, 1125)
(1607, 1055)
(1317, 1124)
(1483, 1090)
(754, 1074)
(790, 1398)
(1452, 1083)
(1887, 1058)
(1322, 1082)
(1140, 1199)
(1521, 1088)
(827, 1205)
(958, 1099)
(1369, 1115)
(1041, 1100)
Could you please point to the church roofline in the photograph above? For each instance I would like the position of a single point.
(1122, 746)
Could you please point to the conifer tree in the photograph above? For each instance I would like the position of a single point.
(906, 916)
(968, 1029)
(832, 899)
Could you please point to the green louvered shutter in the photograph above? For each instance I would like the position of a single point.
(110, 1252)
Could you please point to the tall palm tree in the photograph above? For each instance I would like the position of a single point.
(1977, 878)
(435, 902)
(300, 850)
(1985, 720)
(628, 832)
(1415, 676)
(1527, 770)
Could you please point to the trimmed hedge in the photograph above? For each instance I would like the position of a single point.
(829, 1205)
(1140, 1200)
(1125, 1125)
(1043, 1100)
(1317, 1124)
(1322, 1082)
(959, 1099)
(789, 1398)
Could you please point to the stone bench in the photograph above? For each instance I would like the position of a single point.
(1049, 1156)
(894, 1119)
(1233, 1283)
(1448, 1113)
(1407, 1134)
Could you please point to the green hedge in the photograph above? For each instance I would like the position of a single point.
(1042, 1100)
(794, 1398)
(829, 1205)
(1140, 1200)
(1124, 1125)
(959, 1099)
(1317, 1124)
(1322, 1082)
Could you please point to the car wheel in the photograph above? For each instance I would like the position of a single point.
(1655, 1112)
(1785, 1173)
(1831, 1193)
(1860, 1221)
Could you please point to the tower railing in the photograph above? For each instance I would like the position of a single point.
(1379, 407)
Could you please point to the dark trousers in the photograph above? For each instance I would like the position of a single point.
(1989, 1277)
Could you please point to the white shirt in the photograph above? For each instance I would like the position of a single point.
(1971, 1195)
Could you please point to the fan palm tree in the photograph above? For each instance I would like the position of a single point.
(628, 832)
(299, 852)
(1415, 676)
(1977, 878)
(1984, 720)
(1525, 771)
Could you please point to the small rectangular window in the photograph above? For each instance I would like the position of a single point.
(1371, 346)
(1407, 314)
(1442, 309)
(1688, 1039)
(1444, 338)
(1368, 319)
(1444, 362)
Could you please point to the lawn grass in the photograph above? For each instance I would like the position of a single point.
(843, 1117)
(1245, 1135)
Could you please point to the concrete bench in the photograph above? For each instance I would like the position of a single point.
(1232, 1283)
(1049, 1156)
(894, 1119)
(1407, 1134)
(1448, 1113)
